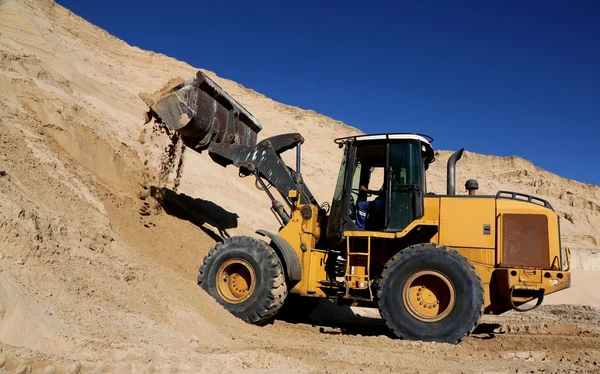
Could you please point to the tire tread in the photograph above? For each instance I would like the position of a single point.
(275, 278)
(418, 250)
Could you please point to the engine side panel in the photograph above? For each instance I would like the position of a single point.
(467, 222)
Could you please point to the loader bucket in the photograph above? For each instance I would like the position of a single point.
(202, 113)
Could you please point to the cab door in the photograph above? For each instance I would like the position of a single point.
(405, 177)
(340, 214)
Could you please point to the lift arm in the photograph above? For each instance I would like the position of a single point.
(209, 119)
(264, 160)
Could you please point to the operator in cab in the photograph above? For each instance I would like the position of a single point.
(366, 207)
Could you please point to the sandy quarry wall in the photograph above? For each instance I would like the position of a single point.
(585, 258)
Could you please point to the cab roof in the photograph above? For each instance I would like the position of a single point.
(424, 138)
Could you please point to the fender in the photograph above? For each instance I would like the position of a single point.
(285, 251)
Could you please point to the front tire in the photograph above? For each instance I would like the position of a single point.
(431, 293)
(246, 277)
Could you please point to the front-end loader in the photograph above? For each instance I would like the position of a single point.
(431, 264)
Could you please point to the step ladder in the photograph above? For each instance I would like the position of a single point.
(357, 277)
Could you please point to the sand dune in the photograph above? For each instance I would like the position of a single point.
(95, 277)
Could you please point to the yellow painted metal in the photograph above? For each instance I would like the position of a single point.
(316, 272)
(486, 274)
(236, 280)
(484, 256)
(431, 206)
(429, 295)
(392, 235)
(530, 276)
(366, 234)
(302, 235)
(462, 221)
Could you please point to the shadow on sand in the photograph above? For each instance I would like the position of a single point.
(334, 319)
(197, 211)
(485, 331)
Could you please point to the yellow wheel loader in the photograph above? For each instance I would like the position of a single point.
(431, 264)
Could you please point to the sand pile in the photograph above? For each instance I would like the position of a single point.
(104, 221)
(81, 270)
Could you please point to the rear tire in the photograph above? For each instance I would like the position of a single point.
(246, 277)
(431, 293)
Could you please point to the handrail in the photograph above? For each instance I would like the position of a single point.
(529, 198)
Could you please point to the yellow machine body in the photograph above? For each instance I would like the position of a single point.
(513, 244)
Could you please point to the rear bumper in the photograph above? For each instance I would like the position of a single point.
(533, 281)
(521, 279)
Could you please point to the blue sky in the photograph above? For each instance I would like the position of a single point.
(496, 77)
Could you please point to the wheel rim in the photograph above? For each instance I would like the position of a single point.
(235, 280)
(429, 295)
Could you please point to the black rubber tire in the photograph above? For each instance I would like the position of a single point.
(468, 308)
(270, 290)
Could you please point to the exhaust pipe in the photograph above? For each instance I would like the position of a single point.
(451, 173)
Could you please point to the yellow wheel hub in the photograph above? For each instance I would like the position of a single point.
(429, 295)
(235, 280)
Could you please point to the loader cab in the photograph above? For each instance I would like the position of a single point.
(394, 164)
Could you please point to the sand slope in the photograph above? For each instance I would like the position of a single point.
(95, 276)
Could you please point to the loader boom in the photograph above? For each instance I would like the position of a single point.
(209, 119)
